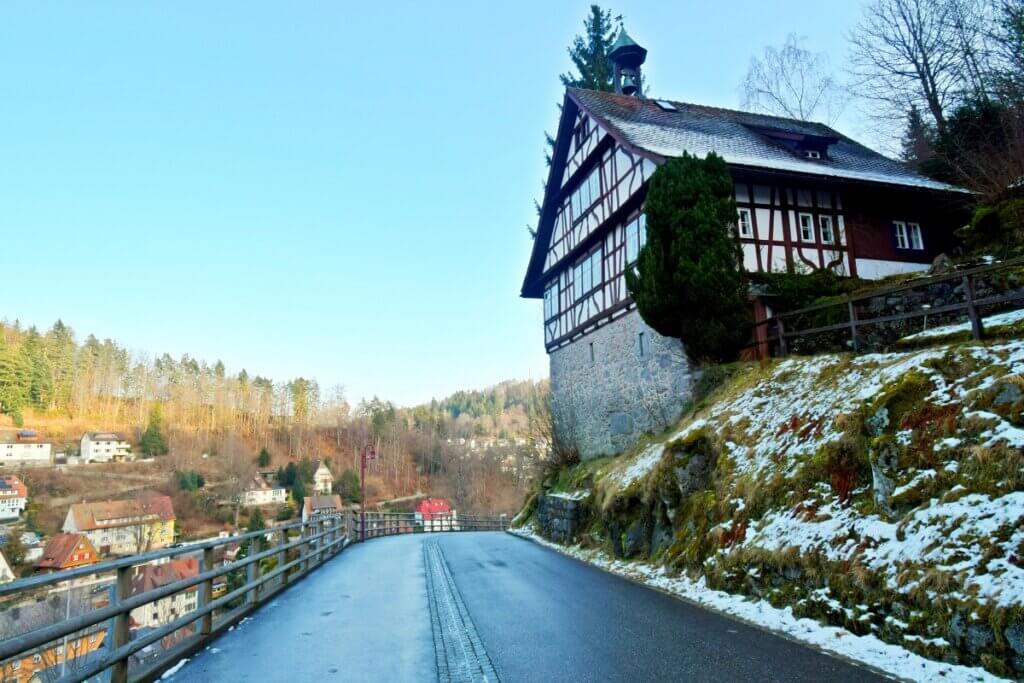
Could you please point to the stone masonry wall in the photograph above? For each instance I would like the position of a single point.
(606, 394)
(560, 517)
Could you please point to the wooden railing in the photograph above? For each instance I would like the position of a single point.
(774, 336)
(294, 551)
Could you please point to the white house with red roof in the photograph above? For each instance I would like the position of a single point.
(13, 496)
(435, 514)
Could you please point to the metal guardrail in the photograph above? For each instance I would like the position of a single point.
(773, 340)
(309, 544)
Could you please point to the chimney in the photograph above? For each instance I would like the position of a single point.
(627, 57)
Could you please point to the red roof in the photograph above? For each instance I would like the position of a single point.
(150, 576)
(60, 549)
(429, 507)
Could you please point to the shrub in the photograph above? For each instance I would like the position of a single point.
(689, 282)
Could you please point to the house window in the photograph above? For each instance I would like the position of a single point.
(901, 235)
(915, 236)
(591, 352)
(587, 274)
(746, 228)
(825, 225)
(806, 227)
(640, 343)
(636, 237)
(550, 302)
(812, 154)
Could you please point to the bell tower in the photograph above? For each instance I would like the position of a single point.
(627, 57)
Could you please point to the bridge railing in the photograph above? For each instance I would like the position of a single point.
(135, 630)
(376, 524)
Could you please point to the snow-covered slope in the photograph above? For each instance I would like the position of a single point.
(883, 493)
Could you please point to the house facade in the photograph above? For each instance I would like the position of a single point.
(807, 197)
(262, 493)
(67, 551)
(124, 527)
(152, 576)
(105, 447)
(321, 507)
(25, 448)
(323, 480)
(13, 497)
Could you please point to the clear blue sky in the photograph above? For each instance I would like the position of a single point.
(332, 190)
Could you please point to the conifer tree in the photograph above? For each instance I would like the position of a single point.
(589, 52)
(689, 281)
(153, 441)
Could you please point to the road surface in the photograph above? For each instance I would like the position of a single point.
(486, 606)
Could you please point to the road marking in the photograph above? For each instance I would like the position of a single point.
(458, 649)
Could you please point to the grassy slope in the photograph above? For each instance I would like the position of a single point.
(790, 511)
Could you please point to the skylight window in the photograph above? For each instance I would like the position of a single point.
(665, 105)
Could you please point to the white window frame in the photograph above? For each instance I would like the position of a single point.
(901, 235)
(744, 223)
(825, 227)
(810, 226)
(916, 239)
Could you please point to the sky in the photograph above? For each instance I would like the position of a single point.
(331, 190)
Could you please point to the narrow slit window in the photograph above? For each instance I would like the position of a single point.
(591, 352)
(825, 225)
(806, 228)
(746, 227)
(640, 343)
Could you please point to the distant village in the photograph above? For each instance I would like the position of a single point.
(99, 530)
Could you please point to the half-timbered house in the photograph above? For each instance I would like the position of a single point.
(807, 196)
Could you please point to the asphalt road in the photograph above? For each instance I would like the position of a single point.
(536, 615)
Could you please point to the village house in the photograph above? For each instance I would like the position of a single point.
(124, 527)
(105, 447)
(321, 507)
(13, 497)
(323, 480)
(67, 551)
(808, 197)
(435, 514)
(262, 493)
(152, 576)
(25, 448)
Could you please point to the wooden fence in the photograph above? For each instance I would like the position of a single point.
(294, 551)
(846, 318)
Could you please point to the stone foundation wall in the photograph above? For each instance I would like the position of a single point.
(559, 517)
(606, 393)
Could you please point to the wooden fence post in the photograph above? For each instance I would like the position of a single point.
(119, 672)
(206, 594)
(853, 325)
(281, 558)
(977, 328)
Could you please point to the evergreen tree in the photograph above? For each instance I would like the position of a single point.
(263, 459)
(153, 441)
(14, 550)
(918, 140)
(40, 379)
(689, 281)
(14, 381)
(589, 52)
(347, 485)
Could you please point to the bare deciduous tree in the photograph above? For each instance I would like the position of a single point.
(794, 82)
(928, 53)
